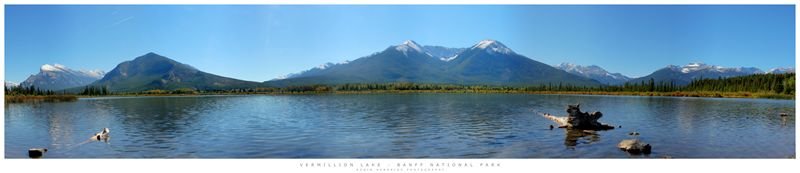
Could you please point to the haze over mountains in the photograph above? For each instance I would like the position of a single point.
(488, 62)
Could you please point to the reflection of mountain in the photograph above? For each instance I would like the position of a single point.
(487, 63)
(161, 119)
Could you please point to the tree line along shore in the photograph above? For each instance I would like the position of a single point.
(776, 86)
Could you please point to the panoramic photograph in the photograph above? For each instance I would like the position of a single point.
(399, 81)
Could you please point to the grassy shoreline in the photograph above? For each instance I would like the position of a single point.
(35, 98)
(707, 94)
(620, 93)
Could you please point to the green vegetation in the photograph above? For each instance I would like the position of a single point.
(39, 98)
(179, 91)
(95, 91)
(759, 83)
(778, 86)
(20, 94)
(32, 90)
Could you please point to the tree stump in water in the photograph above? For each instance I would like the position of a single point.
(579, 120)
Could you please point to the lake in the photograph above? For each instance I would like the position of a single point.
(397, 126)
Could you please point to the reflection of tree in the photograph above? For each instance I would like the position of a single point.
(784, 119)
(574, 135)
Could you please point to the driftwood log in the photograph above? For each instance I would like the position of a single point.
(579, 120)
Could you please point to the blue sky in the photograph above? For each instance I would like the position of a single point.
(260, 42)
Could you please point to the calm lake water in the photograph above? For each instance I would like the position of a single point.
(397, 126)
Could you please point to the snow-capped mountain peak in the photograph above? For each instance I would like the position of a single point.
(483, 44)
(57, 76)
(11, 84)
(330, 64)
(780, 70)
(493, 46)
(685, 74)
(698, 66)
(567, 66)
(54, 67)
(94, 73)
(594, 72)
(409, 45)
(315, 69)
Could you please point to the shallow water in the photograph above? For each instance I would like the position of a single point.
(397, 126)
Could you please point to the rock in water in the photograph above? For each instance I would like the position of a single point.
(634, 146)
(579, 120)
(103, 135)
(36, 152)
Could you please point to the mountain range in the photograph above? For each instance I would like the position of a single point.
(153, 71)
(781, 70)
(595, 72)
(57, 77)
(11, 84)
(488, 62)
(683, 75)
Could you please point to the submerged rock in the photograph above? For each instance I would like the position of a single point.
(634, 146)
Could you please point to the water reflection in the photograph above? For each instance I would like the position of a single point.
(575, 136)
(784, 119)
(395, 126)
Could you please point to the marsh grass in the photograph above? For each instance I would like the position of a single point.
(48, 98)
